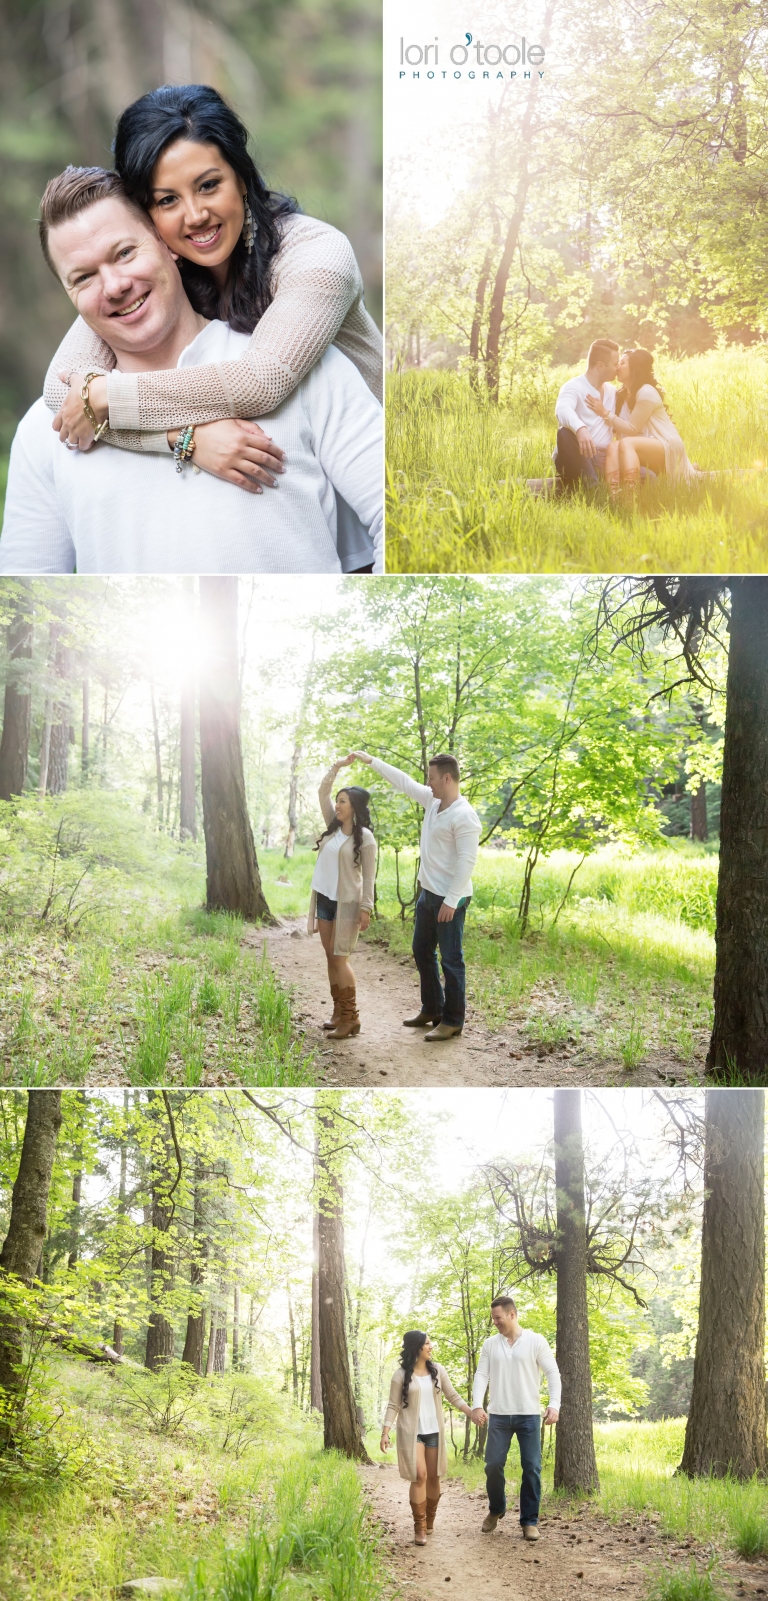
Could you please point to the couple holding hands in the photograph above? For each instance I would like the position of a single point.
(509, 1369)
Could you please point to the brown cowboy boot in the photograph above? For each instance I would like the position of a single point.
(335, 992)
(419, 1524)
(349, 1022)
(431, 1510)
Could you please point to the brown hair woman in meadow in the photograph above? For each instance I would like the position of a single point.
(342, 892)
(416, 1406)
(646, 434)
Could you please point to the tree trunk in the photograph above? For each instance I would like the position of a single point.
(187, 784)
(233, 880)
(159, 1346)
(294, 1363)
(85, 736)
(296, 755)
(315, 1386)
(575, 1463)
(61, 724)
(17, 706)
(740, 1032)
(220, 1347)
(194, 1341)
(725, 1432)
(341, 1428)
(117, 1327)
(158, 754)
(211, 1358)
(524, 181)
(27, 1226)
(699, 821)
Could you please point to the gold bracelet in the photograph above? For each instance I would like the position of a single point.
(98, 428)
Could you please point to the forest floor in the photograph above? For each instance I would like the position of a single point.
(579, 1552)
(388, 990)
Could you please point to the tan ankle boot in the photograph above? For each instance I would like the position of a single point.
(335, 992)
(349, 1022)
(431, 1510)
(419, 1524)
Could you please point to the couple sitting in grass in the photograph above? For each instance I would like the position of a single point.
(620, 433)
(509, 1370)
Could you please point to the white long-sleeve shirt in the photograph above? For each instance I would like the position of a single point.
(116, 511)
(512, 1374)
(572, 411)
(449, 838)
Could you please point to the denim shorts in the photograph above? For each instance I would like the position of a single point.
(325, 909)
(431, 1441)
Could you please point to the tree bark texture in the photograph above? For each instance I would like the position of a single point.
(187, 784)
(61, 723)
(341, 1429)
(27, 1225)
(194, 1340)
(699, 820)
(315, 1385)
(575, 1463)
(233, 882)
(17, 703)
(725, 1432)
(740, 1032)
(159, 1346)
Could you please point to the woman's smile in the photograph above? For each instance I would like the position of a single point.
(198, 202)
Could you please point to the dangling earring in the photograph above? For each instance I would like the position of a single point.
(248, 227)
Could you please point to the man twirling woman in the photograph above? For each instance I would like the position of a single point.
(342, 892)
(416, 1406)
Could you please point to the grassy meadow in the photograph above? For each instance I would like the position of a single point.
(111, 971)
(258, 1512)
(457, 470)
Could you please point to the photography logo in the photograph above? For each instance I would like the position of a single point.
(471, 60)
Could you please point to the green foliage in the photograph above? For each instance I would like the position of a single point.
(749, 1527)
(458, 501)
(693, 1585)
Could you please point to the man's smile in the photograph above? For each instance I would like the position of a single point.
(136, 305)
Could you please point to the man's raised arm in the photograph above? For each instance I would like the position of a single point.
(421, 793)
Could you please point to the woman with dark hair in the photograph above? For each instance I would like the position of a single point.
(247, 257)
(342, 892)
(646, 434)
(416, 1405)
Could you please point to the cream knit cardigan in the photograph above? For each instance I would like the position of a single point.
(407, 1420)
(355, 880)
(317, 301)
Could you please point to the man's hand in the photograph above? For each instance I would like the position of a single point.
(478, 1415)
(587, 444)
(365, 920)
(551, 1415)
(359, 756)
(445, 914)
(237, 451)
(71, 423)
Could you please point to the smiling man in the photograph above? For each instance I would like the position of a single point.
(109, 510)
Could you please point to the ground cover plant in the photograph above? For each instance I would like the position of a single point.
(458, 466)
(183, 1504)
(113, 969)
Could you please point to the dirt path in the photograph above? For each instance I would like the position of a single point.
(385, 1053)
(578, 1552)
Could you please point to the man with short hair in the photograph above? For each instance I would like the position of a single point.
(583, 436)
(450, 837)
(111, 510)
(510, 1368)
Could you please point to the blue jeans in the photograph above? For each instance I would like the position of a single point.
(501, 1428)
(428, 934)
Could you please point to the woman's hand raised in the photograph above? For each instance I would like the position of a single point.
(359, 756)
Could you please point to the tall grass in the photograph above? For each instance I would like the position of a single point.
(457, 471)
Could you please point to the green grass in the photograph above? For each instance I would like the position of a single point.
(636, 1464)
(135, 982)
(626, 971)
(284, 1514)
(457, 497)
